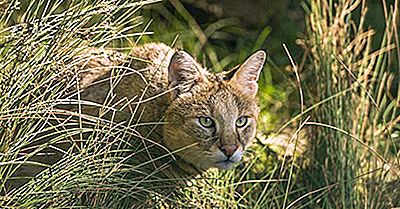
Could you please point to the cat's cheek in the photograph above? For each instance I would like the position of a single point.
(200, 134)
(248, 144)
(247, 135)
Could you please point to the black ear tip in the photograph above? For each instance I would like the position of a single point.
(180, 54)
(182, 60)
(175, 55)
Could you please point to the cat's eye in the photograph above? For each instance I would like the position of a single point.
(241, 121)
(206, 122)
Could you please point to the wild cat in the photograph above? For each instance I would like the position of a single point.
(207, 120)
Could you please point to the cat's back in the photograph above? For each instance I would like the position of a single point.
(139, 78)
(154, 54)
(150, 61)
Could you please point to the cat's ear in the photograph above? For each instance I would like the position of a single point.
(245, 77)
(183, 73)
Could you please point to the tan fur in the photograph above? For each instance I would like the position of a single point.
(156, 86)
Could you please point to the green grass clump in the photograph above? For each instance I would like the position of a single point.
(39, 42)
(353, 147)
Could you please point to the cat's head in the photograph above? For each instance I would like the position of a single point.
(212, 117)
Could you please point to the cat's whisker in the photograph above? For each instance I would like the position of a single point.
(211, 138)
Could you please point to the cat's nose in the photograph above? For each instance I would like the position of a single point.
(228, 149)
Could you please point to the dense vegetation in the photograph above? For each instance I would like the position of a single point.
(329, 134)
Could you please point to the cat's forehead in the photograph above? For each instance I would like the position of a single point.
(224, 97)
(216, 97)
(221, 89)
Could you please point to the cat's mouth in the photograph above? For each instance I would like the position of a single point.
(225, 164)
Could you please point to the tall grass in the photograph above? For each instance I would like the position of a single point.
(40, 42)
(349, 107)
(353, 143)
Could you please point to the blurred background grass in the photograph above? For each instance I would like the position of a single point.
(347, 56)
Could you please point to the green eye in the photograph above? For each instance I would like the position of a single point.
(241, 122)
(206, 122)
